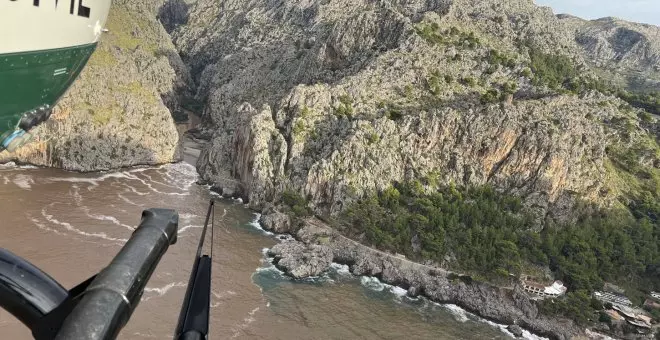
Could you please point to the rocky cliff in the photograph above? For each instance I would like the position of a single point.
(338, 99)
(118, 113)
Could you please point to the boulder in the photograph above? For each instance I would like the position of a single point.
(515, 330)
(301, 261)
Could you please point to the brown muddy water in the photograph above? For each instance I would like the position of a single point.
(71, 225)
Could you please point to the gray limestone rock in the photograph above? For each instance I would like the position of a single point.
(336, 100)
(515, 330)
(277, 222)
(300, 260)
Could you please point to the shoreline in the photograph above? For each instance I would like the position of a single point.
(316, 246)
(374, 284)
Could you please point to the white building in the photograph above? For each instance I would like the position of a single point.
(555, 290)
(614, 299)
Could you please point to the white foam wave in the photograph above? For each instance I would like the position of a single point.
(503, 328)
(460, 314)
(158, 292)
(112, 219)
(75, 192)
(372, 283)
(43, 226)
(69, 227)
(152, 180)
(398, 291)
(341, 268)
(94, 181)
(182, 173)
(223, 294)
(246, 322)
(270, 269)
(256, 225)
(181, 230)
(220, 296)
(23, 181)
(596, 335)
(10, 165)
(151, 187)
(13, 165)
(187, 216)
(134, 190)
(149, 335)
(123, 198)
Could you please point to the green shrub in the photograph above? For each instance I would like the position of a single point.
(574, 306)
(550, 70)
(299, 128)
(496, 58)
(345, 108)
(645, 101)
(299, 206)
(433, 83)
(510, 88)
(394, 113)
(526, 72)
(431, 33)
(470, 81)
(491, 96)
(408, 91)
(373, 138)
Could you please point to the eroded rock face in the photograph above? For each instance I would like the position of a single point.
(335, 100)
(276, 221)
(300, 260)
(118, 113)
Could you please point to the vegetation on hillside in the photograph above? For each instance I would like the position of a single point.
(559, 73)
(554, 71)
(478, 230)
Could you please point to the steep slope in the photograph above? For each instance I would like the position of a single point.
(628, 52)
(335, 100)
(118, 112)
(370, 114)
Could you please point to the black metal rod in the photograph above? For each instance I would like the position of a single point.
(194, 318)
(112, 297)
(25, 291)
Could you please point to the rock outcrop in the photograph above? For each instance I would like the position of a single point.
(335, 100)
(118, 113)
(300, 260)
